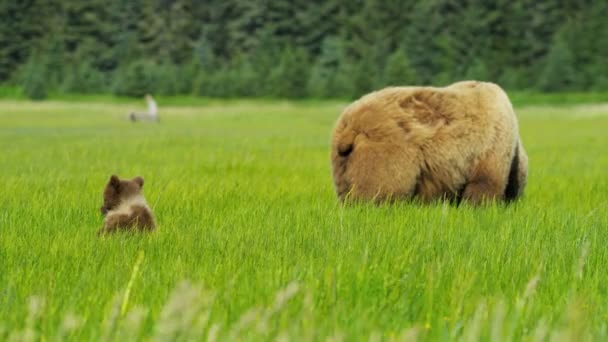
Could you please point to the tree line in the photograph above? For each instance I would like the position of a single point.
(299, 48)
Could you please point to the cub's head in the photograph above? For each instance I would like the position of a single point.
(118, 190)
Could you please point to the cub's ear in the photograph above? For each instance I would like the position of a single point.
(139, 180)
(114, 181)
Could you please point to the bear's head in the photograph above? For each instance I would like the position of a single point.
(118, 190)
(375, 147)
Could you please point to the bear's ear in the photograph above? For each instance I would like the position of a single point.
(114, 181)
(139, 180)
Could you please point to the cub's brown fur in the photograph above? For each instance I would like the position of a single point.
(124, 206)
(457, 142)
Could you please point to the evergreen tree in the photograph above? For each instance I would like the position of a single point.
(24, 26)
(290, 78)
(84, 79)
(169, 78)
(245, 79)
(422, 40)
(477, 71)
(398, 70)
(514, 78)
(34, 78)
(325, 79)
(340, 84)
(137, 79)
(203, 83)
(559, 72)
(364, 77)
(345, 48)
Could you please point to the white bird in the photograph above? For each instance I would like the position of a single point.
(150, 115)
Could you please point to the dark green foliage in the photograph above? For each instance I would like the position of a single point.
(515, 78)
(300, 48)
(84, 79)
(560, 71)
(398, 71)
(325, 69)
(332, 74)
(35, 74)
(246, 81)
(203, 83)
(477, 70)
(290, 77)
(364, 77)
(317, 82)
(172, 79)
(138, 78)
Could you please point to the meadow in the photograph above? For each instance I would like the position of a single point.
(252, 244)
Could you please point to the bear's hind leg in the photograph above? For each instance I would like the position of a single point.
(481, 189)
(518, 174)
(488, 181)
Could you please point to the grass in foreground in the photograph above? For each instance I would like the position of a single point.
(248, 219)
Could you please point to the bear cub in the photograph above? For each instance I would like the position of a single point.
(124, 206)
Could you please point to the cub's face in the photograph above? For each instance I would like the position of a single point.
(118, 190)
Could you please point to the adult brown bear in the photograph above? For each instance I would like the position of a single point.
(451, 143)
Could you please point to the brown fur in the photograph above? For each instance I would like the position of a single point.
(124, 206)
(456, 142)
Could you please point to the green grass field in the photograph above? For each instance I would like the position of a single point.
(252, 244)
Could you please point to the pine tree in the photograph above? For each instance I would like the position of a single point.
(24, 26)
(34, 78)
(290, 78)
(197, 45)
(477, 71)
(398, 70)
(325, 79)
(83, 78)
(559, 72)
(318, 82)
(588, 42)
(365, 77)
(137, 79)
(124, 36)
(422, 40)
(245, 79)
